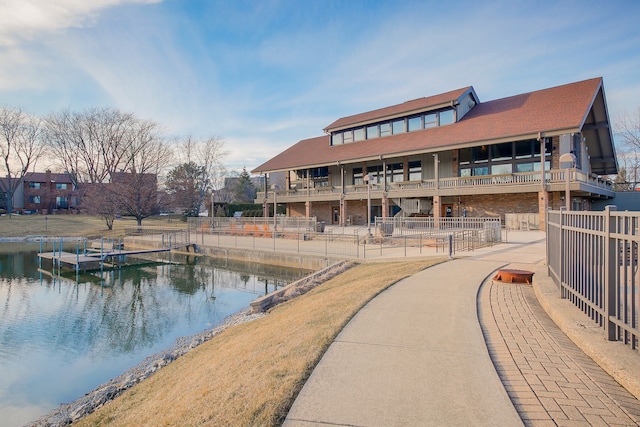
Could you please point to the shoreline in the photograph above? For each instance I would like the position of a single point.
(67, 413)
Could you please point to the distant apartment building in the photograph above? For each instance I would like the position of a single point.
(43, 192)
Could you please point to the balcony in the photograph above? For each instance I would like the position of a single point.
(523, 182)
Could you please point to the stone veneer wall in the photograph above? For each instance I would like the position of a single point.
(492, 205)
(355, 209)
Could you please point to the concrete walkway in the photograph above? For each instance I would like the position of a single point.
(448, 346)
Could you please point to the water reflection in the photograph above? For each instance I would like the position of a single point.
(61, 337)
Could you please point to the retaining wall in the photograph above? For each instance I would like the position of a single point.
(305, 261)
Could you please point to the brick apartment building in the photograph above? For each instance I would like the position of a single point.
(44, 192)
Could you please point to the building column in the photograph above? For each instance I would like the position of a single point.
(436, 211)
(307, 208)
(385, 205)
(543, 204)
(265, 206)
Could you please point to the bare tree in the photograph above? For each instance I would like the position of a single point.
(628, 133)
(100, 200)
(629, 164)
(20, 148)
(136, 187)
(201, 165)
(91, 144)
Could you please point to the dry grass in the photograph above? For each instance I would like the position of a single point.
(73, 225)
(250, 374)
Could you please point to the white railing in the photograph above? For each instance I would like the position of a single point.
(430, 186)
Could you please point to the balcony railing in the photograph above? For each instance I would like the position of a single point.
(425, 188)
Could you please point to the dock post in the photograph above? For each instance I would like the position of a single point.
(40, 257)
(60, 252)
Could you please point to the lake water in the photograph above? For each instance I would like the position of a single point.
(62, 337)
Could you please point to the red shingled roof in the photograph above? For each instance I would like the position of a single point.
(420, 104)
(560, 109)
(42, 177)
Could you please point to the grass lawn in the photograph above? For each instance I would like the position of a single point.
(250, 374)
(75, 225)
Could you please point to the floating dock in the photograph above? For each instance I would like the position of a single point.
(94, 260)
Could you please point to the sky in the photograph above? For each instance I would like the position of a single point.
(265, 74)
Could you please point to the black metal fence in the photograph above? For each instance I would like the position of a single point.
(593, 258)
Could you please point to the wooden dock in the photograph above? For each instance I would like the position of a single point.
(86, 260)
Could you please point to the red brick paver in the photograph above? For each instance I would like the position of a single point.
(550, 381)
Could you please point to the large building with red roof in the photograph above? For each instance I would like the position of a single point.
(452, 155)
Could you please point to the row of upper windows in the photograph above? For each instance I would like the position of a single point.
(60, 200)
(504, 152)
(59, 186)
(394, 173)
(394, 127)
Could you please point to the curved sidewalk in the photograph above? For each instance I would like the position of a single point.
(416, 355)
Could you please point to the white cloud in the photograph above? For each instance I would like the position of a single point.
(25, 19)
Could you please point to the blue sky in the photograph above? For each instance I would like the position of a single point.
(264, 74)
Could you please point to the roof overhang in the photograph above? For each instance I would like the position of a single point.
(596, 132)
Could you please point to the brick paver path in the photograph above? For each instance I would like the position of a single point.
(550, 381)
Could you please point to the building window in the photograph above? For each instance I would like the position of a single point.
(61, 186)
(385, 129)
(34, 185)
(375, 174)
(480, 154)
(430, 120)
(319, 173)
(61, 202)
(320, 176)
(358, 177)
(415, 171)
(358, 134)
(34, 199)
(395, 173)
(336, 138)
(465, 156)
(532, 167)
(372, 132)
(398, 126)
(525, 149)
(347, 137)
(506, 158)
(502, 151)
(446, 117)
(414, 123)
(483, 170)
(501, 169)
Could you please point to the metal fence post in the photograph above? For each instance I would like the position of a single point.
(611, 268)
(561, 252)
(450, 246)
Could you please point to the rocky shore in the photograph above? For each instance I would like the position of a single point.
(67, 413)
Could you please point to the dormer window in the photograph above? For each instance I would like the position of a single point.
(396, 126)
(446, 117)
